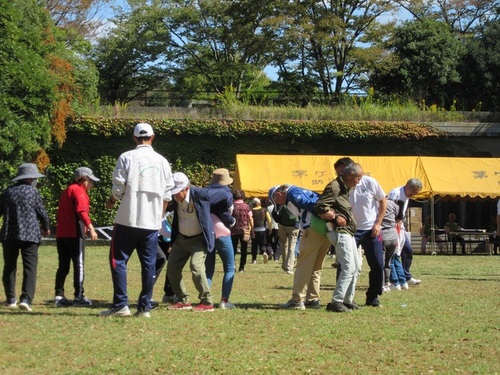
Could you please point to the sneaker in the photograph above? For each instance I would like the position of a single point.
(25, 306)
(241, 270)
(226, 305)
(413, 281)
(82, 302)
(373, 302)
(180, 306)
(142, 314)
(254, 262)
(202, 307)
(12, 305)
(386, 288)
(168, 299)
(61, 301)
(395, 287)
(266, 257)
(291, 305)
(289, 272)
(336, 306)
(352, 306)
(405, 286)
(115, 311)
(314, 304)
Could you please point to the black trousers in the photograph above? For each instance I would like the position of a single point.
(29, 254)
(70, 250)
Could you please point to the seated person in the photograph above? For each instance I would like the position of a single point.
(450, 228)
(425, 232)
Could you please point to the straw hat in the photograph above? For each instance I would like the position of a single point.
(221, 176)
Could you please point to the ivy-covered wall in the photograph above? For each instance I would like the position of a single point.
(198, 147)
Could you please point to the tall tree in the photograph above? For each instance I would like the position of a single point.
(132, 57)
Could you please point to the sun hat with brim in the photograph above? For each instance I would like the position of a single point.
(27, 171)
(180, 182)
(85, 172)
(221, 176)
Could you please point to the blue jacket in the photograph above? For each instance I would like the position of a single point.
(301, 198)
(202, 199)
(223, 208)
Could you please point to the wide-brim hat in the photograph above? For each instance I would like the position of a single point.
(27, 171)
(221, 176)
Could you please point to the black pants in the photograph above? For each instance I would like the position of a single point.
(161, 260)
(70, 250)
(29, 254)
(243, 249)
(259, 245)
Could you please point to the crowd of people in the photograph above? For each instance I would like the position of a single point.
(352, 216)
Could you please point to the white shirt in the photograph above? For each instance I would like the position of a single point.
(142, 180)
(364, 201)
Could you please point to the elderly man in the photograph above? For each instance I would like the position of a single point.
(334, 206)
(142, 181)
(403, 194)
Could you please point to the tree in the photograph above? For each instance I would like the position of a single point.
(132, 58)
(427, 56)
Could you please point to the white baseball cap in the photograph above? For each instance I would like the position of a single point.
(143, 130)
(180, 182)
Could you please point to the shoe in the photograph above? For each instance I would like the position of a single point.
(115, 311)
(226, 305)
(61, 301)
(289, 272)
(180, 306)
(386, 288)
(254, 262)
(154, 304)
(336, 306)
(405, 286)
(413, 281)
(352, 306)
(241, 270)
(373, 302)
(168, 299)
(202, 307)
(25, 306)
(291, 305)
(395, 287)
(82, 302)
(12, 305)
(314, 304)
(266, 257)
(142, 314)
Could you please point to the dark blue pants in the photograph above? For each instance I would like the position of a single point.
(374, 253)
(407, 256)
(125, 240)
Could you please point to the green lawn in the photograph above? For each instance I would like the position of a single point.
(448, 324)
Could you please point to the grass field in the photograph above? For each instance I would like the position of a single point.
(447, 325)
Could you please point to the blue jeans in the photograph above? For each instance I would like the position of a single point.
(374, 252)
(125, 240)
(224, 247)
(397, 273)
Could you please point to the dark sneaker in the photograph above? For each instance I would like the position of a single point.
(82, 302)
(337, 307)
(204, 307)
(61, 301)
(292, 305)
(373, 302)
(352, 306)
(314, 304)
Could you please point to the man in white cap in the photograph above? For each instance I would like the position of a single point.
(23, 211)
(142, 181)
(192, 238)
(73, 225)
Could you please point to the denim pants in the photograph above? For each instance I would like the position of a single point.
(397, 273)
(407, 256)
(125, 240)
(374, 253)
(347, 255)
(224, 247)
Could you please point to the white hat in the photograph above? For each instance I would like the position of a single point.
(85, 172)
(180, 182)
(143, 130)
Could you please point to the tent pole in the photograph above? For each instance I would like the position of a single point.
(433, 231)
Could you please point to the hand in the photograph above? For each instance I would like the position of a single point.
(375, 230)
(340, 221)
(93, 233)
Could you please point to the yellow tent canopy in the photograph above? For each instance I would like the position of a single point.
(440, 176)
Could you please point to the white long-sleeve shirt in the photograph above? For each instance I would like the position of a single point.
(142, 180)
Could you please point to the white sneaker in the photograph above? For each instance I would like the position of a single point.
(25, 306)
(395, 287)
(405, 286)
(113, 311)
(12, 306)
(266, 257)
(291, 305)
(142, 314)
(226, 305)
(386, 288)
(413, 281)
